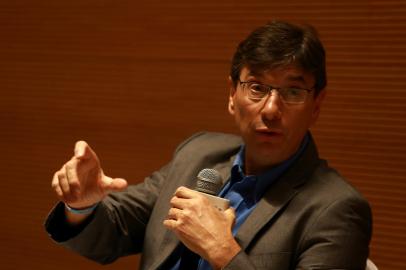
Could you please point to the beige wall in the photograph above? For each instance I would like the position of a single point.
(134, 78)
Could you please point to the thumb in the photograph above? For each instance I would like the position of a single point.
(230, 215)
(114, 184)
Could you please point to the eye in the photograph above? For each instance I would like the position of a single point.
(293, 95)
(294, 92)
(257, 90)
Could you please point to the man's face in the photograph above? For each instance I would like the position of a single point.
(272, 129)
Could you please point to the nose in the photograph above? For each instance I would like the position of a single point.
(271, 109)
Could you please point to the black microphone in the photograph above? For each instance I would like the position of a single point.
(209, 183)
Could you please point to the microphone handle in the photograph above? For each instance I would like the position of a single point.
(220, 203)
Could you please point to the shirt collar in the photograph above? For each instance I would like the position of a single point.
(263, 180)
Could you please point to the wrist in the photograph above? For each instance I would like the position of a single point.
(224, 254)
(81, 211)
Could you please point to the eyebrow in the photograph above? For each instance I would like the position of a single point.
(297, 78)
(255, 74)
(293, 78)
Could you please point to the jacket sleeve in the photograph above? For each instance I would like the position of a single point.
(117, 226)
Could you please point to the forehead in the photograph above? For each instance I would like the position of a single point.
(289, 73)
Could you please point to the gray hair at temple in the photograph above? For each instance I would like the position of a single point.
(278, 44)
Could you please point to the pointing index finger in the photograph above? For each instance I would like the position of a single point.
(83, 150)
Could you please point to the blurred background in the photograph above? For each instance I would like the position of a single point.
(135, 78)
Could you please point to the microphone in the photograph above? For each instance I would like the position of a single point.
(209, 183)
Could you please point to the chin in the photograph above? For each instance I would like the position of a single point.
(267, 154)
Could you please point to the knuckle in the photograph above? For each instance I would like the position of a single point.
(186, 214)
(180, 223)
(171, 224)
(70, 165)
(180, 189)
(75, 191)
(173, 200)
(193, 206)
(182, 215)
(57, 190)
(60, 195)
(60, 172)
(61, 176)
(172, 212)
(54, 181)
(54, 185)
(201, 200)
(74, 183)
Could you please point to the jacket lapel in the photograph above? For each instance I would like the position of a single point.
(168, 245)
(267, 208)
(278, 195)
(224, 169)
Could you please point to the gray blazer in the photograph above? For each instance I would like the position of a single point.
(311, 218)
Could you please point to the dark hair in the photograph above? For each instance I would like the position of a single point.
(278, 44)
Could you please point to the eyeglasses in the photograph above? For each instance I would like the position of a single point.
(291, 95)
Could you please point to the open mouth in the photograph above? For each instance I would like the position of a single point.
(268, 133)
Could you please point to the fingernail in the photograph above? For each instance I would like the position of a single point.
(78, 152)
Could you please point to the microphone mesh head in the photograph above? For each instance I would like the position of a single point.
(209, 181)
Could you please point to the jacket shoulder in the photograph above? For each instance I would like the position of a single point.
(206, 149)
(333, 184)
(209, 141)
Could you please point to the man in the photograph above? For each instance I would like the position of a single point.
(289, 210)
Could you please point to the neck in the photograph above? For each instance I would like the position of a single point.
(254, 166)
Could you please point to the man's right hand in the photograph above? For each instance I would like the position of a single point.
(80, 182)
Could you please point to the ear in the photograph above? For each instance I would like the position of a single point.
(317, 105)
(231, 95)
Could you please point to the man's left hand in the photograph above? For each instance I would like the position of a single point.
(202, 228)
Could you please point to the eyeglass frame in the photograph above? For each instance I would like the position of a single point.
(270, 88)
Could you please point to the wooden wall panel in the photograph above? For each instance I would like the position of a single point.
(134, 78)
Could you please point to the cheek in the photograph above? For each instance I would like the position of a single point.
(244, 114)
(297, 122)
